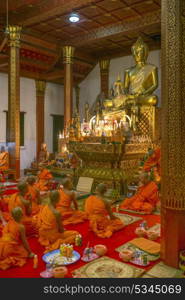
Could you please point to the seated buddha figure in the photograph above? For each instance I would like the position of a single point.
(140, 81)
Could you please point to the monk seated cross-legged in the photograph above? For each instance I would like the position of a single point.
(146, 198)
(51, 231)
(154, 163)
(14, 248)
(19, 199)
(67, 198)
(44, 179)
(33, 194)
(4, 159)
(102, 221)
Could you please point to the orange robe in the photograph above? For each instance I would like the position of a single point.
(100, 224)
(144, 200)
(4, 161)
(49, 236)
(33, 195)
(43, 180)
(154, 161)
(27, 220)
(12, 251)
(69, 215)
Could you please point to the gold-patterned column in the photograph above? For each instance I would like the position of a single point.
(68, 54)
(40, 95)
(104, 76)
(14, 98)
(77, 91)
(173, 130)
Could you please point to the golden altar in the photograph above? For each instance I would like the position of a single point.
(113, 164)
(117, 132)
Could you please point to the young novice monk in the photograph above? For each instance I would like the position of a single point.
(102, 220)
(146, 198)
(51, 231)
(67, 198)
(18, 199)
(44, 178)
(33, 194)
(14, 248)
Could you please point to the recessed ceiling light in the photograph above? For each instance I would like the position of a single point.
(73, 18)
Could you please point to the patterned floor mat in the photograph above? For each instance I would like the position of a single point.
(106, 267)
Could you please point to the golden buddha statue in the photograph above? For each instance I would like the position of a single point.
(140, 81)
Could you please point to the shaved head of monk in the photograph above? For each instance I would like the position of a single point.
(144, 177)
(17, 213)
(22, 187)
(101, 188)
(67, 183)
(54, 197)
(31, 180)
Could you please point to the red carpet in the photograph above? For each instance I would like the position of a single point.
(116, 240)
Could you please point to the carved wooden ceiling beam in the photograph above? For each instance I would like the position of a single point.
(124, 28)
(60, 74)
(155, 45)
(49, 10)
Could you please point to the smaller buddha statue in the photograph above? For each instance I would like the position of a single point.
(43, 154)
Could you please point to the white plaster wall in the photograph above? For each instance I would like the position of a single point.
(90, 87)
(28, 105)
(54, 104)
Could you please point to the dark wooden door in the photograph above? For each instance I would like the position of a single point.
(58, 126)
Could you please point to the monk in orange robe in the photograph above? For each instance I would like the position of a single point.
(44, 178)
(154, 162)
(2, 220)
(18, 199)
(145, 199)
(4, 160)
(102, 221)
(14, 248)
(51, 231)
(67, 198)
(33, 195)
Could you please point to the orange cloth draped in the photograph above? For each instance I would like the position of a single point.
(100, 224)
(4, 161)
(27, 220)
(154, 161)
(43, 179)
(49, 235)
(144, 200)
(69, 215)
(12, 251)
(33, 195)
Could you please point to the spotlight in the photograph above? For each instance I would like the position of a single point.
(74, 18)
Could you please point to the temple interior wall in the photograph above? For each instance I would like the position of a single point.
(53, 105)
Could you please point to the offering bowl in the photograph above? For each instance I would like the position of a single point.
(60, 272)
(100, 250)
